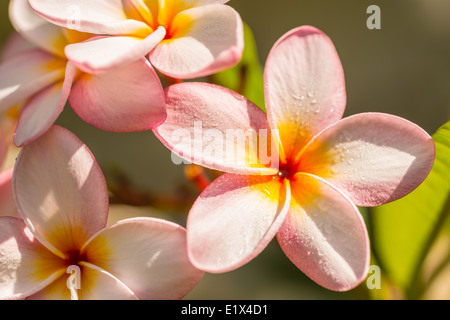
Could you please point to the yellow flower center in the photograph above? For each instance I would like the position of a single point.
(165, 14)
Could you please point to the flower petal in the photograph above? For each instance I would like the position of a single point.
(304, 87)
(42, 110)
(60, 191)
(100, 54)
(157, 12)
(201, 41)
(13, 45)
(234, 219)
(7, 204)
(26, 266)
(324, 235)
(217, 128)
(3, 145)
(35, 29)
(95, 284)
(375, 158)
(27, 73)
(126, 99)
(57, 290)
(93, 16)
(98, 284)
(148, 255)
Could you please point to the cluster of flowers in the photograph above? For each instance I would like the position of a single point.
(100, 56)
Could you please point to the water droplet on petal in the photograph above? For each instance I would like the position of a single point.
(238, 96)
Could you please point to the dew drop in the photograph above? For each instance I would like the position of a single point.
(238, 96)
(297, 97)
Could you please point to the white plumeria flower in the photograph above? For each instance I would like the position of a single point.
(325, 166)
(61, 195)
(40, 80)
(183, 38)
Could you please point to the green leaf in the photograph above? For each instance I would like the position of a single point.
(403, 231)
(246, 77)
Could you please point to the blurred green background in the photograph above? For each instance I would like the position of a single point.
(402, 69)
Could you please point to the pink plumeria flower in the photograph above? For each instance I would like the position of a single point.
(41, 80)
(61, 195)
(326, 166)
(184, 38)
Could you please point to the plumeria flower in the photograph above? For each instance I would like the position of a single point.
(184, 38)
(325, 166)
(40, 80)
(62, 198)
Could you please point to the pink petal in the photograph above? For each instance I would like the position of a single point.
(95, 284)
(93, 16)
(3, 145)
(60, 191)
(13, 45)
(375, 158)
(98, 284)
(210, 126)
(101, 54)
(36, 30)
(7, 204)
(234, 219)
(324, 235)
(202, 41)
(26, 266)
(41, 111)
(148, 255)
(124, 99)
(304, 87)
(27, 73)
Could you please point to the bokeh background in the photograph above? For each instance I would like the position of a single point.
(402, 69)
